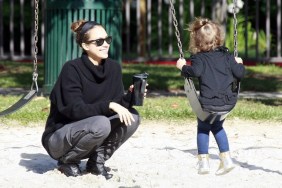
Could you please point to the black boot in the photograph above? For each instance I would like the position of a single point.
(69, 169)
(98, 169)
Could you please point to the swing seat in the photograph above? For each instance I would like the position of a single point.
(23, 101)
(193, 99)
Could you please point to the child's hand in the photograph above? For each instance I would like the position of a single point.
(239, 60)
(180, 63)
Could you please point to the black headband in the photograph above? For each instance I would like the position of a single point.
(88, 25)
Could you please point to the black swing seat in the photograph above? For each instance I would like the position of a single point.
(193, 99)
(23, 101)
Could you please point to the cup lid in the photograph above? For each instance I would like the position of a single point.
(141, 75)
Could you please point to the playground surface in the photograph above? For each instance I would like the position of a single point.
(160, 154)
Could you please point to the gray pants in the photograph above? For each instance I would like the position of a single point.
(96, 137)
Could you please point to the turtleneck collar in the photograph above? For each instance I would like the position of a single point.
(97, 72)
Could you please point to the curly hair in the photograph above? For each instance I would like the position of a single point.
(205, 35)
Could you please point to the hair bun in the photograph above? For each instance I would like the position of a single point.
(198, 23)
(76, 26)
(204, 22)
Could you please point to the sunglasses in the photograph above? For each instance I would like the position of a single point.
(100, 42)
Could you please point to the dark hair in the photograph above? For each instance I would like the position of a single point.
(81, 27)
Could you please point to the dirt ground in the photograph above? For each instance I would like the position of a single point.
(160, 154)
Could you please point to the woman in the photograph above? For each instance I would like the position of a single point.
(90, 116)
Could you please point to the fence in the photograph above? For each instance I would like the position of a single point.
(148, 32)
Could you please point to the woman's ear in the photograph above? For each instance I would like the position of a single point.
(85, 46)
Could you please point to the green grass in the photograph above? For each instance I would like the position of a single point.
(265, 78)
(35, 111)
(160, 77)
(258, 78)
(14, 74)
(178, 108)
(254, 109)
(161, 108)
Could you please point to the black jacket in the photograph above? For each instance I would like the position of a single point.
(215, 71)
(84, 90)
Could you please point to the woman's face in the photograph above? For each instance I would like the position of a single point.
(95, 50)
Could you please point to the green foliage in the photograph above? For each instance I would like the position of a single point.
(241, 39)
(27, 10)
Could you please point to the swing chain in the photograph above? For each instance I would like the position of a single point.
(177, 33)
(235, 28)
(35, 72)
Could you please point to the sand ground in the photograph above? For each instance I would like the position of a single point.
(159, 154)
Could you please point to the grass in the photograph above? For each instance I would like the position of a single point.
(258, 78)
(15, 74)
(264, 78)
(161, 108)
(35, 111)
(177, 108)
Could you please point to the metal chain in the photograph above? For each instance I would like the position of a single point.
(177, 33)
(235, 28)
(35, 72)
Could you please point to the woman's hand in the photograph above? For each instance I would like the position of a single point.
(124, 115)
(180, 63)
(145, 92)
(239, 60)
(132, 86)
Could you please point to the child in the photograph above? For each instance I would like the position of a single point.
(215, 69)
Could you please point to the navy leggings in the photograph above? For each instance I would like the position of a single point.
(96, 138)
(219, 133)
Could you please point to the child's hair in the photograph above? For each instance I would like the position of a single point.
(81, 27)
(205, 35)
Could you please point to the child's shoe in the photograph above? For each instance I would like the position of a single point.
(226, 163)
(203, 164)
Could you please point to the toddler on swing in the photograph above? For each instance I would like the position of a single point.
(215, 69)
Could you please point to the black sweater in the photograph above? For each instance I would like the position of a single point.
(84, 90)
(215, 71)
